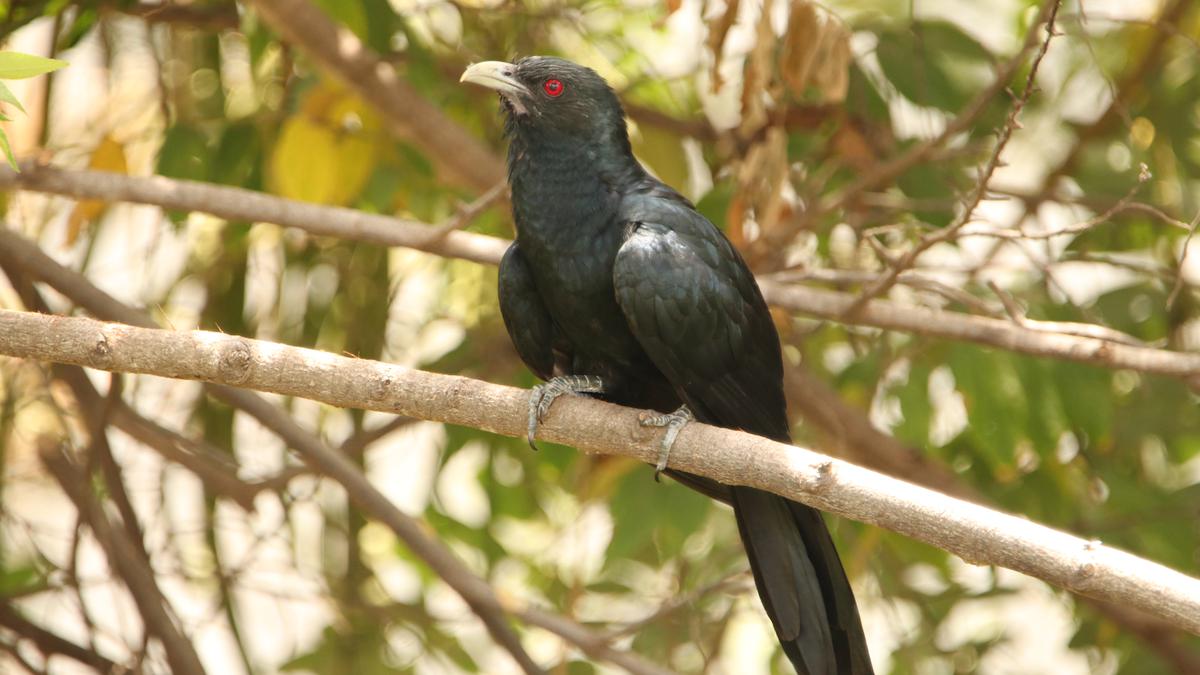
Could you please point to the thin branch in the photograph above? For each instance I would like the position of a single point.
(595, 645)
(406, 113)
(128, 560)
(1183, 254)
(984, 330)
(910, 278)
(985, 175)
(1126, 203)
(213, 17)
(734, 582)
(889, 170)
(469, 212)
(979, 535)
(1088, 330)
(249, 206)
(49, 643)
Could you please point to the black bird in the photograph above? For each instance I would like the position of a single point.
(618, 287)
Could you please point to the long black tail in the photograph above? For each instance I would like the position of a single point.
(802, 584)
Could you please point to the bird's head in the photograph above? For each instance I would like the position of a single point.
(549, 94)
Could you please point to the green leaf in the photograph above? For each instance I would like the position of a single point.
(919, 72)
(20, 580)
(185, 154)
(84, 21)
(352, 14)
(18, 66)
(6, 96)
(714, 205)
(12, 161)
(646, 512)
(943, 37)
(996, 402)
(915, 406)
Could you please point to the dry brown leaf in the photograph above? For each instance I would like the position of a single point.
(757, 76)
(800, 45)
(816, 53)
(718, 30)
(832, 78)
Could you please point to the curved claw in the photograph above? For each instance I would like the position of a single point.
(674, 423)
(544, 395)
(536, 396)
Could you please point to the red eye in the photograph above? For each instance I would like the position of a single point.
(553, 88)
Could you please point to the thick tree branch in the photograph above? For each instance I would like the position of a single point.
(247, 205)
(407, 114)
(979, 535)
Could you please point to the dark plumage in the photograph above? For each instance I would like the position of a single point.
(615, 275)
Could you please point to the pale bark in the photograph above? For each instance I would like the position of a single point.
(978, 534)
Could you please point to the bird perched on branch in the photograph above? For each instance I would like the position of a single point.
(617, 287)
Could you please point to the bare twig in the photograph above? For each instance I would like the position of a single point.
(469, 212)
(734, 582)
(595, 645)
(889, 170)
(1049, 11)
(1061, 327)
(1183, 254)
(128, 560)
(979, 535)
(909, 278)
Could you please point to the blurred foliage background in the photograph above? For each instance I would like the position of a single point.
(779, 119)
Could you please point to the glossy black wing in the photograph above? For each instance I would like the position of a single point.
(694, 307)
(529, 324)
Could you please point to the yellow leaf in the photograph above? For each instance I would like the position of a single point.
(109, 155)
(327, 151)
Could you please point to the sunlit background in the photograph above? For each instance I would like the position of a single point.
(761, 122)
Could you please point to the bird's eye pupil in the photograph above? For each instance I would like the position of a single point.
(553, 87)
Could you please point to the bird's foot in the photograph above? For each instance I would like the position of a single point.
(674, 422)
(544, 395)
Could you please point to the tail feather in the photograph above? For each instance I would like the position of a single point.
(802, 584)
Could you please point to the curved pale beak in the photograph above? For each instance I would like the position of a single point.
(497, 75)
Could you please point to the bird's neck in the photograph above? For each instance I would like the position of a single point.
(567, 186)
